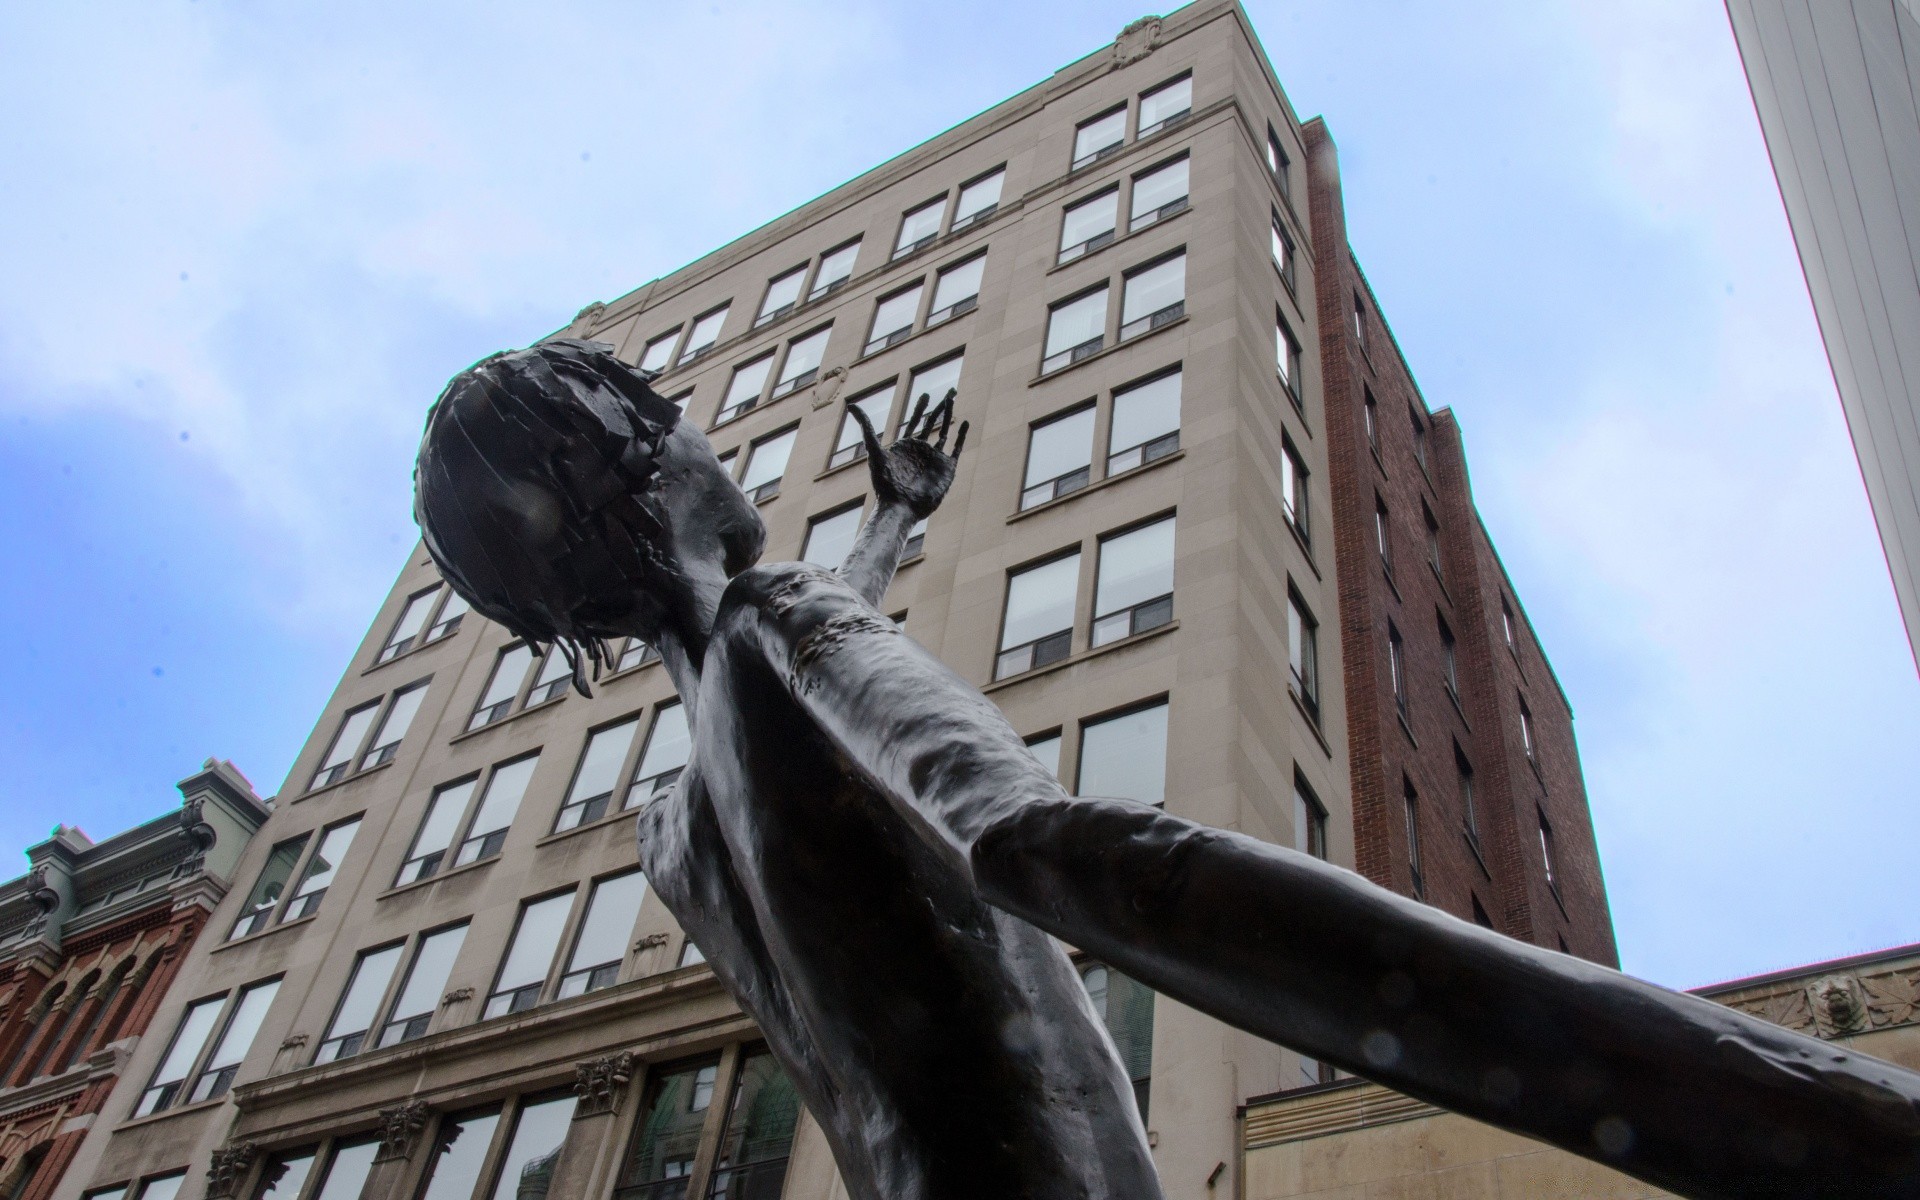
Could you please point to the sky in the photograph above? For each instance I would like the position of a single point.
(244, 246)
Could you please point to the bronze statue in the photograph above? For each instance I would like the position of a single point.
(872, 861)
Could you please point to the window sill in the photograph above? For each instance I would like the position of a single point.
(831, 471)
(337, 784)
(1406, 728)
(1553, 889)
(176, 1111)
(1109, 351)
(1313, 722)
(1070, 497)
(410, 652)
(1083, 656)
(507, 720)
(1386, 572)
(1458, 707)
(916, 335)
(1120, 239)
(268, 932)
(430, 880)
(1473, 844)
(612, 818)
(629, 672)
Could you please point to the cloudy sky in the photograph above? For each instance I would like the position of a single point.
(244, 245)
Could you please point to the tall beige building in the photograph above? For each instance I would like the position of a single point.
(440, 974)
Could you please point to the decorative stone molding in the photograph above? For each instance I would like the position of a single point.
(1136, 41)
(1788, 1009)
(193, 823)
(1838, 1006)
(228, 1168)
(1893, 997)
(456, 996)
(290, 1055)
(600, 1083)
(40, 891)
(651, 940)
(587, 320)
(400, 1128)
(828, 386)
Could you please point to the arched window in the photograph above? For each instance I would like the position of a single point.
(35, 1019)
(123, 1003)
(96, 1014)
(57, 1027)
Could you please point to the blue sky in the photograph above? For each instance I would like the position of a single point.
(245, 245)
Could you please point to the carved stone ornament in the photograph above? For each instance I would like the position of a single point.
(601, 1082)
(829, 385)
(1837, 1004)
(651, 940)
(1892, 998)
(43, 896)
(400, 1128)
(1136, 41)
(1786, 1009)
(193, 823)
(588, 319)
(228, 1168)
(457, 996)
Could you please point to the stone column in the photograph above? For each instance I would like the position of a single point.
(394, 1170)
(229, 1169)
(586, 1164)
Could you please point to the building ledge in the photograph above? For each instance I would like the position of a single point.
(1108, 352)
(509, 719)
(337, 784)
(436, 877)
(1095, 486)
(263, 934)
(1083, 656)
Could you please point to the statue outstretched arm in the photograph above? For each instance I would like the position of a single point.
(910, 478)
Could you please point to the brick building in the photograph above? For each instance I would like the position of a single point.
(452, 977)
(90, 939)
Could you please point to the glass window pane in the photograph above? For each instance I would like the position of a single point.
(553, 669)
(1145, 413)
(359, 1003)
(444, 811)
(195, 1028)
(922, 222)
(248, 1013)
(1126, 756)
(608, 927)
(1157, 189)
(1135, 567)
(1077, 321)
(412, 620)
(1302, 653)
(534, 942)
(706, 331)
(285, 1176)
(979, 196)
(267, 890)
(1040, 600)
(600, 763)
(836, 267)
(1047, 750)
(671, 1118)
(1165, 102)
(1159, 286)
(509, 672)
(767, 461)
(959, 283)
(427, 978)
(459, 1155)
(353, 728)
(504, 791)
(347, 1174)
(875, 404)
(830, 539)
(1098, 134)
(895, 313)
(166, 1187)
(449, 618)
(759, 1131)
(934, 381)
(669, 745)
(1059, 447)
(804, 355)
(1089, 219)
(659, 351)
(1126, 1006)
(399, 718)
(526, 1171)
(748, 379)
(784, 290)
(326, 860)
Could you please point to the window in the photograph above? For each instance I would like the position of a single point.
(1397, 667)
(448, 622)
(346, 744)
(667, 1136)
(285, 1176)
(1059, 457)
(196, 1026)
(1076, 329)
(540, 1129)
(759, 1132)
(1309, 821)
(1099, 137)
(597, 774)
(690, 953)
(743, 391)
(830, 538)
(803, 362)
(958, 290)
(1293, 490)
(1382, 535)
(1419, 439)
(1372, 411)
(346, 1174)
(659, 351)
(601, 944)
(459, 1155)
(893, 318)
(1154, 296)
(1433, 540)
(1286, 359)
(1282, 249)
(1303, 653)
(159, 1187)
(267, 890)
(1360, 322)
(1450, 652)
(919, 227)
(1089, 225)
(705, 335)
(386, 741)
(1469, 816)
(243, 1023)
(555, 677)
(669, 745)
(425, 984)
(1277, 161)
(1039, 623)
(360, 1004)
(1526, 732)
(1046, 750)
(523, 971)
(509, 672)
(835, 269)
(783, 292)
(767, 464)
(1146, 422)
(1168, 104)
(916, 542)
(979, 199)
(488, 833)
(633, 654)
(1125, 1007)
(1133, 589)
(1412, 800)
(1158, 194)
(1506, 625)
(1125, 756)
(321, 868)
(850, 446)
(1480, 916)
(1546, 851)
(413, 618)
(934, 380)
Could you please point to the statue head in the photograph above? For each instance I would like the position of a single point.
(567, 501)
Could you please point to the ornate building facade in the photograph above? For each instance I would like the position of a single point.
(90, 939)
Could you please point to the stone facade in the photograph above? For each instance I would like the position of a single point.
(90, 938)
(429, 1008)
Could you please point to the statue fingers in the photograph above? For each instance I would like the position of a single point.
(913, 422)
(946, 422)
(867, 434)
(959, 440)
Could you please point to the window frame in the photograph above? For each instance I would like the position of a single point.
(1155, 448)
(659, 780)
(984, 213)
(1172, 120)
(1063, 253)
(905, 249)
(1306, 803)
(597, 806)
(690, 353)
(732, 408)
(965, 304)
(785, 384)
(395, 646)
(367, 1035)
(769, 489)
(1138, 221)
(540, 986)
(878, 341)
(1064, 484)
(1161, 317)
(486, 715)
(595, 971)
(1163, 700)
(857, 506)
(311, 901)
(1083, 350)
(1410, 801)
(1155, 612)
(765, 315)
(490, 848)
(377, 753)
(1303, 684)
(385, 1016)
(816, 290)
(328, 772)
(1034, 646)
(1099, 153)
